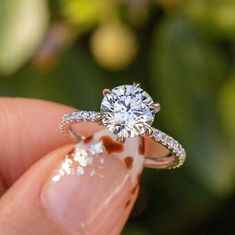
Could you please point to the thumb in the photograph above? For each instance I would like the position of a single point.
(85, 189)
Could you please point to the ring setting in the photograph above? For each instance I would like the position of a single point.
(129, 111)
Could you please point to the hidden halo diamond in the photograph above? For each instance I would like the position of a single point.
(129, 111)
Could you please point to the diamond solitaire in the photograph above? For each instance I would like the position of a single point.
(127, 110)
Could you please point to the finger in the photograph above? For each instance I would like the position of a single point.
(123, 219)
(29, 130)
(87, 190)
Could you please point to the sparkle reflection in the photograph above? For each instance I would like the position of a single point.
(81, 161)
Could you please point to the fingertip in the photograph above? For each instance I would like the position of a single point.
(87, 188)
(30, 130)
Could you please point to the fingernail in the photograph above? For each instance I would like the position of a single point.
(94, 183)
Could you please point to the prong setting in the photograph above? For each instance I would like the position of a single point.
(121, 139)
(136, 84)
(106, 92)
(99, 118)
(128, 110)
(156, 107)
(148, 130)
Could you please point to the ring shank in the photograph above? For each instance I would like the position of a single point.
(157, 155)
(164, 151)
(172, 151)
(68, 128)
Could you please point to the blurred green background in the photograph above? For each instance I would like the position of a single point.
(182, 53)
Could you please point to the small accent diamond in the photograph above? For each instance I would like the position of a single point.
(93, 115)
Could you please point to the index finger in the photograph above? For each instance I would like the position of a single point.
(29, 129)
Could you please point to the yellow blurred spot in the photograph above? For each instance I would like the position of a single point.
(80, 12)
(225, 16)
(114, 46)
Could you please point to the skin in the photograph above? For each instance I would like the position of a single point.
(31, 146)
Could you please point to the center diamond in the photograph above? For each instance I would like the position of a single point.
(127, 109)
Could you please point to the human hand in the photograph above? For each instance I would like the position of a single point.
(34, 200)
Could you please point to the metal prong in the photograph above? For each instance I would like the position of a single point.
(99, 118)
(148, 130)
(156, 107)
(121, 139)
(136, 84)
(106, 92)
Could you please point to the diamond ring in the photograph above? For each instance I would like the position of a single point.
(129, 111)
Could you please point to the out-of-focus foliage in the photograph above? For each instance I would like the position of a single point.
(183, 54)
(216, 17)
(187, 54)
(227, 107)
(22, 24)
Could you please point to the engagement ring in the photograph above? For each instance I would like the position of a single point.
(128, 111)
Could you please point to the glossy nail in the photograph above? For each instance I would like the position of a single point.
(94, 183)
